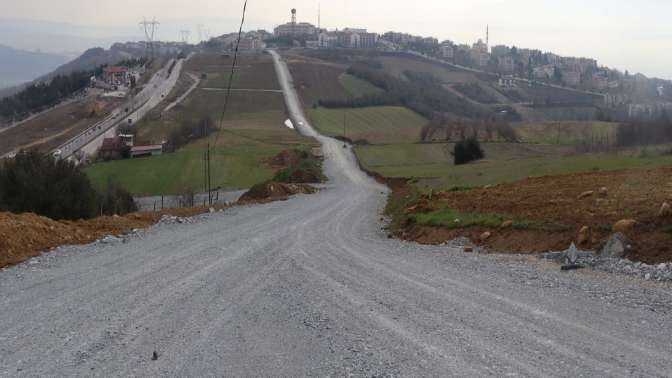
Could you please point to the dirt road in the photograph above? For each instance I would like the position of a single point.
(312, 286)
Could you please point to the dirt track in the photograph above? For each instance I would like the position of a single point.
(313, 287)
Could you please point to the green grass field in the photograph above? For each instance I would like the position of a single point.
(378, 125)
(566, 133)
(357, 87)
(432, 163)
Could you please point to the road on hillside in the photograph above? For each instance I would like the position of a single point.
(313, 287)
(152, 94)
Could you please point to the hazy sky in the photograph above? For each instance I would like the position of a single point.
(623, 34)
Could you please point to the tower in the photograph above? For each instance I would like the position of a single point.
(293, 16)
(487, 38)
(150, 30)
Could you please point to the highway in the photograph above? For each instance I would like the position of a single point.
(313, 287)
(159, 86)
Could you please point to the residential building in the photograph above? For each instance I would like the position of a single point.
(507, 82)
(506, 63)
(500, 51)
(146, 151)
(447, 51)
(112, 149)
(116, 75)
(328, 40)
(614, 100)
(296, 29)
(571, 78)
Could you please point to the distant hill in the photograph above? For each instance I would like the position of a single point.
(91, 59)
(18, 66)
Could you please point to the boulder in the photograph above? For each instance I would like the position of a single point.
(485, 236)
(603, 192)
(624, 225)
(584, 235)
(586, 194)
(665, 210)
(571, 255)
(615, 247)
(507, 224)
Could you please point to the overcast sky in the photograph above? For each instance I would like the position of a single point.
(623, 34)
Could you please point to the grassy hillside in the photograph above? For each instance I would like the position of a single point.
(505, 162)
(385, 124)
(252, 131)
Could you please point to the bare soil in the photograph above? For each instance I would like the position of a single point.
(274, 191)
(23, 236)
(548, 213)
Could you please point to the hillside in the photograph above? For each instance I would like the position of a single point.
(18, 66)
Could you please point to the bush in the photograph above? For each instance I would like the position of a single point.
(467, 151)
(32, 182)
(57, 189)
(116, 200)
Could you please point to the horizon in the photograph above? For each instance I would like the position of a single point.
(627, 37)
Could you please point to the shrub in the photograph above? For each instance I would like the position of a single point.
(57, 189)
(37, 183)
(116, 200)
(467, 151)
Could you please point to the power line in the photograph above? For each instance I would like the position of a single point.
(226, 98)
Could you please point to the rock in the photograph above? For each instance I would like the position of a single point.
(485, 236)
(647, 276)
(603, 192)
(155, 356)
(180, 220)
(662, 266)
(584, 235)
(571, 255)
(586, 194)
(624, 225)
(211, 210)
(507, 224)
(615, 247)
(111, 240)
(665, 210)
(468, 249)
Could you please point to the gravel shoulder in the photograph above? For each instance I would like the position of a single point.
(313, 286)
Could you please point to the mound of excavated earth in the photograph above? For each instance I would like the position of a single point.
(274, 191)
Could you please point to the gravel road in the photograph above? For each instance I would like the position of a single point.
(313, 287)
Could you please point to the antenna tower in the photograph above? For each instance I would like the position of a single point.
(184, 36)
(150, 31)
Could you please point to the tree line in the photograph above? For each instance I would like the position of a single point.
(58, 189)
(40, 96)
(643, 133)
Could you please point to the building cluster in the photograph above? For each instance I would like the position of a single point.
(316, 37)
(123, 146)
(249, 41)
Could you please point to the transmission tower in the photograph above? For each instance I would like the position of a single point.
(184, 36)
(150, 31)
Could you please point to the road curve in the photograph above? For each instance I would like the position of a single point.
(313, 287)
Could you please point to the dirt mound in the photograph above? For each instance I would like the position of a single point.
(274, 191)
(23, 236)
(549, 213)
(287, 158)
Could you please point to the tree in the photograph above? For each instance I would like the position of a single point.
(467, 150)
(37, 183)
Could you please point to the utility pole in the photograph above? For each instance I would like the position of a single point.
(344, 131)
(209, 178)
